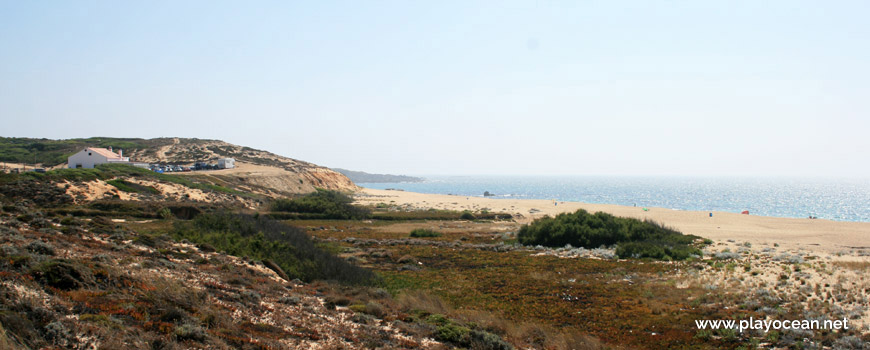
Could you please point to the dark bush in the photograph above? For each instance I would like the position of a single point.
(581, 229)
(660, 251)
(332, 204)
(40, 247)
(184, 212)
(421, 232)
(262, 238)
(467, 215)
(453, 333)
(132, 187)
(18, 324)
(63, 274)
(189, 331)
(437, 215)
(487, 341)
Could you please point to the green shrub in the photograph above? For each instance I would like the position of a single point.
(331, 204)
(165, 213)
(488, 341)
(704, 334)
(103, 320)
(262, 238)
(656, 250)
(421, 232)
(453, 333)
(359, 308)
(437, 319)
(132, 187)
(467, 215)
(633, 238)
(434, 214)
(190, 331)
(63, 274)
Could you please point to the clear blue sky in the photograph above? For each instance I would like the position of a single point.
(457, 87)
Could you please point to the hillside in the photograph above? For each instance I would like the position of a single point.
(364, 177)
(259, 172)
(97, 284)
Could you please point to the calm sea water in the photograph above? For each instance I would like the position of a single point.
(834, 199)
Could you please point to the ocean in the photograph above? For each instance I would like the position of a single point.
(833, 199)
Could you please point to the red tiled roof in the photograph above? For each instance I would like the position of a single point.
(104, 152)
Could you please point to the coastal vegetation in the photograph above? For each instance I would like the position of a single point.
(181, 273)
(108, 172)
(633, 238)
(53, 152)
(260, 238)
(326, 204)
(132, 187)
(471, 287)
(436, 214)
(422, 232)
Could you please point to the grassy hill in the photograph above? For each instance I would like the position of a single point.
(53, 152)
(50, 152)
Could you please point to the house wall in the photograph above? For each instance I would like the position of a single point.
(226, 163)
(86, 161)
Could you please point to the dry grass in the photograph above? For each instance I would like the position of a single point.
(853, 265)
(5, 342)
(523, 335)
(488, 321)
(421, 300)
(544, 337)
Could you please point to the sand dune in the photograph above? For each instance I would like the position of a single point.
(811, 234)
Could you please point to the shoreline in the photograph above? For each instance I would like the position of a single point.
(816, 235)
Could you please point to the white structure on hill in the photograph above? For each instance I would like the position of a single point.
(226, 163)
(91, 156)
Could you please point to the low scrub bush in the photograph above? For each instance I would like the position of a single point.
(656, 250)
(331, 204)
(288, 247)
(465, 335)
(421, 232)
(132, 187)
(63, 274)
(433, 214)
(633, 238)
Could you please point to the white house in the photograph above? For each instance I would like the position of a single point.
(226, 163)
(91, 156)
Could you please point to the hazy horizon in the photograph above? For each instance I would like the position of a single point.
(521, 88)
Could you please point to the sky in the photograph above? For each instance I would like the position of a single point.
(706, 88)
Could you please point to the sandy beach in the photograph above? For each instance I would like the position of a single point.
(818, 235)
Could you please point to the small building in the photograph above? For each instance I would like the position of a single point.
(226, 163)
(90, 157)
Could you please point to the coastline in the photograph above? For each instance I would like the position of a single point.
(840, 238)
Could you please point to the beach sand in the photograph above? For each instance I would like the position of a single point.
(816, 235)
